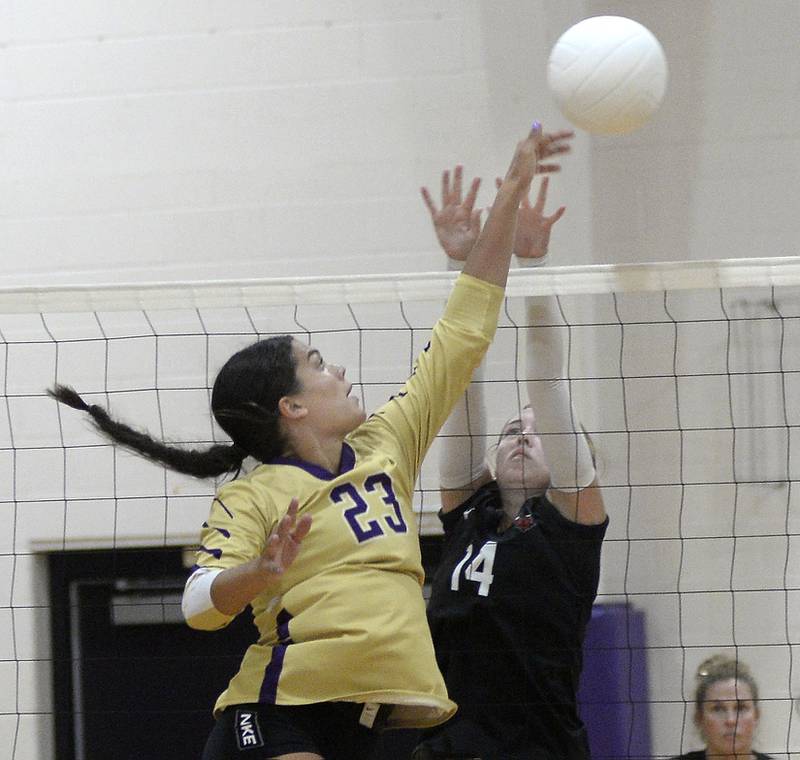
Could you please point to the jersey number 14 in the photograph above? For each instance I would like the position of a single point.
(479, 569)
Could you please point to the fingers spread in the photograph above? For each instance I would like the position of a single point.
(541, 197)
(553, 150)
(469, 201)
(548, 168)
(555, 216)
(301, 529)
(287, 522)
(426, 196)
(458, 173)
(475, 221)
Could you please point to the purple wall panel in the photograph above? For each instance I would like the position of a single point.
(613, 689)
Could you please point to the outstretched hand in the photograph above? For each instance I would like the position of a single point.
(457, 223)
(531, 154)
(533, 227)
(284, 542)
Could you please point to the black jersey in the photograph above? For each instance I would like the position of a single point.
(508, 613)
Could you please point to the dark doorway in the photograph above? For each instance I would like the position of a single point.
(131, 680)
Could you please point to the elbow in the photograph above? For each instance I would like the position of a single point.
(198, 609)
(211, 620)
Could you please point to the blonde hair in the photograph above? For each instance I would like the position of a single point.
(721, 667)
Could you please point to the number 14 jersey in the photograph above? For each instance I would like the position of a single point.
(508, 613)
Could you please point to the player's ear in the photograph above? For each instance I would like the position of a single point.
(290, 408)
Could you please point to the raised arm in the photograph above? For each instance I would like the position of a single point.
(462, 467)
(573, 484)
(490, 257)
(461, 336)
(573, 488)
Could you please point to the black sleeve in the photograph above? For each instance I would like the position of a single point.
(484, 500)
(578, 545)
(451, 519)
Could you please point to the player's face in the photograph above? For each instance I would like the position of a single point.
(728, 718)
(325, 393)
(520, 460)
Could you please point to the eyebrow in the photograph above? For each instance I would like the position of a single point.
(738, 701)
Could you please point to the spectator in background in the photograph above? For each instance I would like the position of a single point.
(726, 710)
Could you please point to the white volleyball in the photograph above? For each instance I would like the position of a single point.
(608, 74)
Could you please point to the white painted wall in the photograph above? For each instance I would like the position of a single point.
(715, 175)
(237, 140)
(167, 141)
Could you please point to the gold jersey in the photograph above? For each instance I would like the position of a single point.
(347, 621)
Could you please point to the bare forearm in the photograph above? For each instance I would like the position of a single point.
(573, 480)
(490, 258)
(463, 435)
(233, 589)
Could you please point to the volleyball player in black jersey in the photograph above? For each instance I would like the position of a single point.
(523, 528)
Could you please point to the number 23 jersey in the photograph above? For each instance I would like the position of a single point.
(347, 621)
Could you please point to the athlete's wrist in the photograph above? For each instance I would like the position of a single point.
(268, 571)
(454, 265)
(532, 261)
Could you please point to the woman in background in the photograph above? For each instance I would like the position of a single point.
(726, 710)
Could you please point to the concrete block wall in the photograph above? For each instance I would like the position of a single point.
(221, 140)
(715, 175)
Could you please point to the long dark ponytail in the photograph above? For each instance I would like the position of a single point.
(244, 402)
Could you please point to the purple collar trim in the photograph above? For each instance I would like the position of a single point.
(346, 463)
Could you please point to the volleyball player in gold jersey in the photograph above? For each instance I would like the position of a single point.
(320, 539)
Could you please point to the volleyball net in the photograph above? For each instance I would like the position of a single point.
(686, 376)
